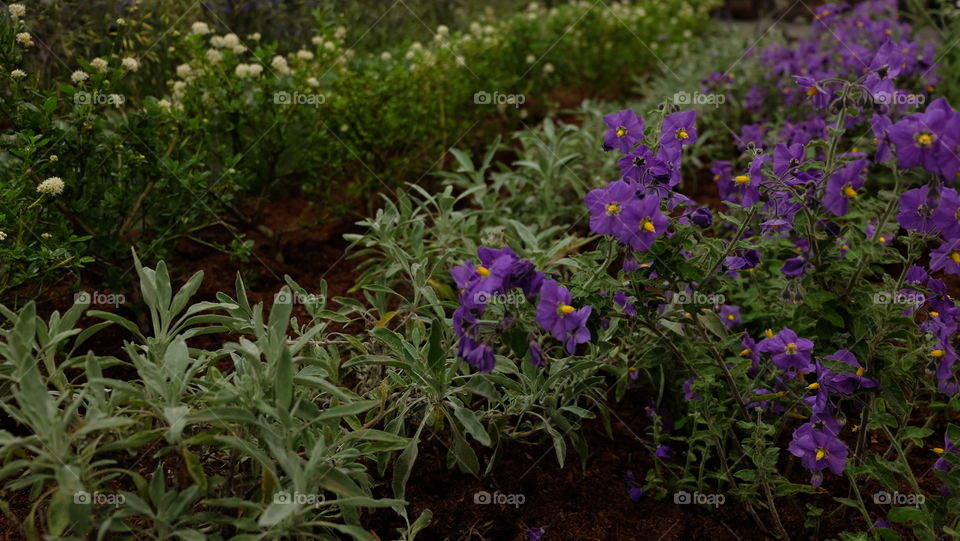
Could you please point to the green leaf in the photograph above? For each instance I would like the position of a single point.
(904, 514)
(472, 425)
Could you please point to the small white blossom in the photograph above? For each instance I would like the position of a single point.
(164, 104)
(51, 186)
(312, 81)
(340, 33)
(200, 28)
(183, 71)
(279, 64)
(317, 40)
(531, 59)
(17, 11)
(443, 30)
(254, 36)
(3, 236)
(329, 45)
(217, 41)
(18, 74)
(179, 89)
(46, 236)
(239, 49)
(242, 70)
(230, 41)
(24, 38)
(416, 46)
(214, 56)
(54, 158)
(130, 63)
(99, 64)
(385, 56)
(121, 21)
(304, 54)
(255, 70)
(461, 61)
(79, 76)
(548, 68)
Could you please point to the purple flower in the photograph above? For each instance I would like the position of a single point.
(916, 210)
(946, 257)
(620, 297)
(536, 354)
(480, 356)
(634, 490)
(730, 315)
(946, 218)
(723, 175)
(881, 124)
(845, 382)
(644, 223)
(702, 217)
(605, 206)
(818, 450)
(679, 129)
(556, 315)
(794, 267)
(625, 130)
(664, 451)
(842, 187)
(819, 96)
(786, 159)
(688, 393)
(789, 351)
(915, 142)
(943, 464)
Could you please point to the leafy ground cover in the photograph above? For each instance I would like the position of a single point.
(748, 335)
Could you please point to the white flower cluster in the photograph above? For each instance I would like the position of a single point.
(25, 39)
(99, 64)
(79, 76)
(17, 11)
(130, 63)
(51, 186)
(244, 71)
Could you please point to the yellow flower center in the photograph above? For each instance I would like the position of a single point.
(742, 179)
(621, 131)
(844, 247)
(934, 314)
(566, 309)
(924, 139)
(791, 348)
(821, 453)
(812, 91)
(955, 256)
(849, 191)
(939, 450)
(813, 386)
(938, 353)
(682, 134)
(613, 209)
(882, 239)
(768, 333)
(860, 371)
(483, 271)
(730, 317)
(647, 225)
(745, 352)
